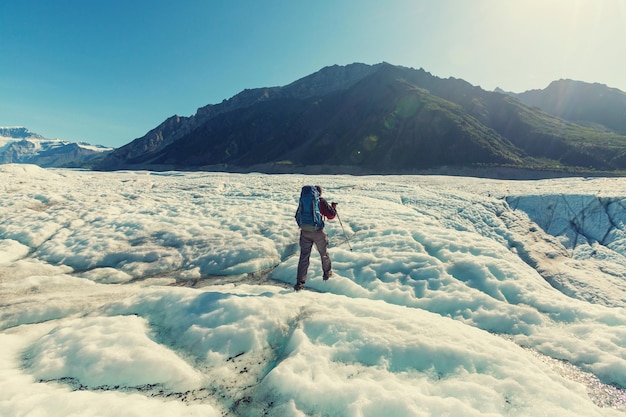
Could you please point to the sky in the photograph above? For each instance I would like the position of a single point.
(108, 72)
(138, 293)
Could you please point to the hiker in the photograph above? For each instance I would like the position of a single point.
(312, 210)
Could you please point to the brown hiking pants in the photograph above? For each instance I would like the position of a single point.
(307, 239)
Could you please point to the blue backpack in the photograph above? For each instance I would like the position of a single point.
(308, 212)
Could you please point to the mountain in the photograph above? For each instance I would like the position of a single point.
(19, 145)
(379, 119)
(18, 132)
(326, 81)
(590, 104)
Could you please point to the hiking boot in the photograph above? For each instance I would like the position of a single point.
(328, 275)
(298, 286)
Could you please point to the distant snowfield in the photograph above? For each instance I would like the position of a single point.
(169, 294)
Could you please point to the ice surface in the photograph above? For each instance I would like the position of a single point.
(142, 293)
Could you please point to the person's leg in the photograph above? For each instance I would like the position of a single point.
(306, 244)
(321, 242)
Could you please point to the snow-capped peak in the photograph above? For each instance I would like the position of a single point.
(20, 145)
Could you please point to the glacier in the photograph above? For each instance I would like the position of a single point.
(170, 293)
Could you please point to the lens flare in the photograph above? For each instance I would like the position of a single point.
(370, 143)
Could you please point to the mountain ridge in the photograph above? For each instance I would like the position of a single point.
(20, 145)
(376, 118)
(175, 127)
(592, 104)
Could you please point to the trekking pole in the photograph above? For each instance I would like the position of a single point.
(344, 230)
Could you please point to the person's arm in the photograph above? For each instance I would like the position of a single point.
(328, 210)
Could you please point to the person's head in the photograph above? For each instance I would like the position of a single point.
(319, 189)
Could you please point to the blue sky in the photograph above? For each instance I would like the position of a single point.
(106, 72)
